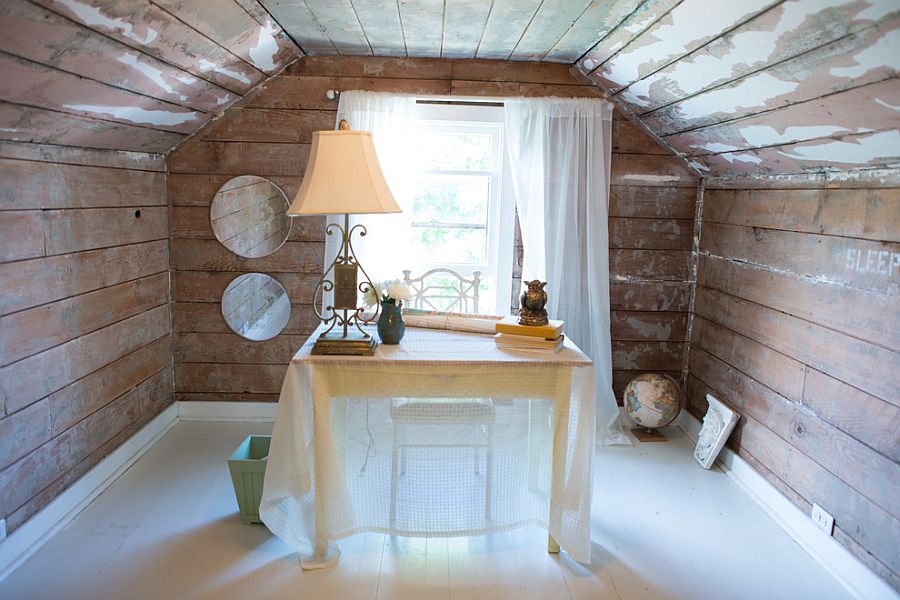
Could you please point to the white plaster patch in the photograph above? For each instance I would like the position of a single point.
(136, 114)
(878, 9)
(715, 147)
(151, 73)
(883, 53)
(263, 54)
(672, 39)
(638, 26)
(657, 178)
(862, 150)
(186, 79)
(94, 17)
(744, 158)
(9, 130)
(220, 100)
(751, 92)
(887, 105)
(206, 65)
(765, 135)
(699, 166)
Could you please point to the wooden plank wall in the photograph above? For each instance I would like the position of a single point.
(85, 353)
(797, 327)
(268, 134)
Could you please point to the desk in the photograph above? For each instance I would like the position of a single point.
(331, 469)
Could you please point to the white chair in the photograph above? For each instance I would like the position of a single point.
(418, 422)
(444, 290)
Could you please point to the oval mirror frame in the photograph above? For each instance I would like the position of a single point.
(248, 215)
(256, 306)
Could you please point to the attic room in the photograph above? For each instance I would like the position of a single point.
(449, 298)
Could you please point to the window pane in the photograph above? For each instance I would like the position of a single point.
(450, 245)
(452, 199)
(454, 151)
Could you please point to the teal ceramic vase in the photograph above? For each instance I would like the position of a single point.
(390, 324)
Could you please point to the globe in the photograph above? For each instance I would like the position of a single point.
(653, 400)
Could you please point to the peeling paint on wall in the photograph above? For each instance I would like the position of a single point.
(266, 49)
(860, 151)
(751, 92)
(206, 65)
(884, 52)
(150, 72)
(136, 114)
(94, 17)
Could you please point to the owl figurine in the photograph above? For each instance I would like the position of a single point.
(532, 302)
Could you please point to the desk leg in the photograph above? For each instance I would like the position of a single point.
(552, 546)
(560, 442)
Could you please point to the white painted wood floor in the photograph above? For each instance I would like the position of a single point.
(662, 528)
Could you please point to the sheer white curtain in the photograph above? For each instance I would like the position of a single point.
(559, 152)
(389, 117)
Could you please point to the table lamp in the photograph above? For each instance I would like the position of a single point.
(343, 177)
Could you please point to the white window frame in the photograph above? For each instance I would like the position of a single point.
(476, 118)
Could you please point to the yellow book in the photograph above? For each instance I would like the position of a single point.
(511, 326)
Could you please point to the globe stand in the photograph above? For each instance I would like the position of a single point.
(644, 434)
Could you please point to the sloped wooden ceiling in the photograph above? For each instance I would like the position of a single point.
(744, 86)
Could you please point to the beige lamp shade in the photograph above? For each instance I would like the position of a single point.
(343, 176)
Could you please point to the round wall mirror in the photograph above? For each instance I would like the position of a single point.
(256, 306)
(249, 216)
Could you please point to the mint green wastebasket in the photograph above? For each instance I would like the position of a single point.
(248, 470)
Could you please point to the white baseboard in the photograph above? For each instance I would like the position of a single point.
(850, 572)
(34, 533)
(252, 412)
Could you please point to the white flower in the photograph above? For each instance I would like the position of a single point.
(372, 295)
(396, 290)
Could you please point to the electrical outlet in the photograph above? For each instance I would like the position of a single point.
(822, 519)
(2, 529)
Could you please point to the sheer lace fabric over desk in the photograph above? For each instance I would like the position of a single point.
(444, 435)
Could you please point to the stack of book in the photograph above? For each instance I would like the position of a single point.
(529, 337)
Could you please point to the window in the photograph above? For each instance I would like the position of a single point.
(460, 217)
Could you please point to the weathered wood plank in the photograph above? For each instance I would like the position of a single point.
(371, 66)
(186, 189)
(21, 234)
(67, 93)
(233, 349)
(193, 222)
(647, 356)
(149, 29)
(652, 201)
(637, 169)
(855, 179)
(649, 295)
(863, 365)
(655, 234)
(629, 138)
(463, 23)
(263, 45)
(210, 255)
(224, 397)
(548, 25)
(872, 214)
(594, 24)
(228, 378)
(245, 158)
(206, 317)
(671, 37)
(781, 373)
(72, 360)
(864, 263)
(41, 280)
(650, 265)
(846, 457)
(854, 514)
(872, 316)
(731, 78)
(30, 331)
(383, 29)
(64, 155)
(199, 286)
(864, 108)
(76, 230)
(37, 34)
(502, 89)
(423, 26)
(23, 431)
(83, 397)
(268, 125)
(865, 417)
(37, 125)
(505, 26)
(518, 72)
(648, 326)
(300, 24)
(337, 20)
(37, 185)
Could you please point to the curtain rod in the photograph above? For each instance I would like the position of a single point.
(450, 100)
